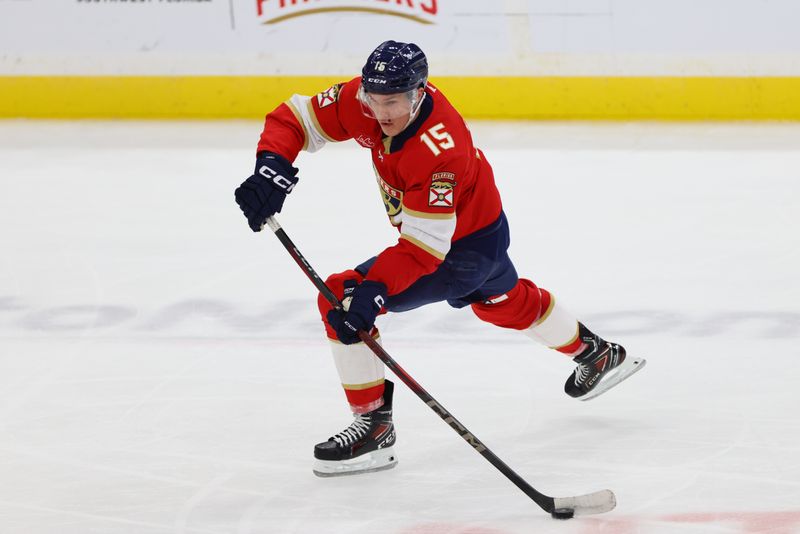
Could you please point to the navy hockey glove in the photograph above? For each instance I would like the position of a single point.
(368, 298)
(261, 196)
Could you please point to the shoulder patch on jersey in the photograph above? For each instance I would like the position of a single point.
(329, 96)
(443, 177)
(441, 190)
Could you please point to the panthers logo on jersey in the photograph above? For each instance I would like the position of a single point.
(392, 199)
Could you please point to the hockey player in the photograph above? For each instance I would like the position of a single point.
(439, 191)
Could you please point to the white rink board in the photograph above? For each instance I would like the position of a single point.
(163, 370)
(470, 38)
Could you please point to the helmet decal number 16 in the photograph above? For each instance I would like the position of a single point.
(445, 140)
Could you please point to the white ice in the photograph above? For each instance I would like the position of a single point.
(163, 369)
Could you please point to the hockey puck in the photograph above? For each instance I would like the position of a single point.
(563, 513)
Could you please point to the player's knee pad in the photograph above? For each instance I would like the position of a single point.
(516, 309)
(336, 284)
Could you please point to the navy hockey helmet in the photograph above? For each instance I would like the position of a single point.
(395, 67)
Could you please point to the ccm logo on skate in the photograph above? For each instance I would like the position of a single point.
(387, 442)
(454, 424)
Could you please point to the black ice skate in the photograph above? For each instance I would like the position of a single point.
(363, 447)
(601, 366)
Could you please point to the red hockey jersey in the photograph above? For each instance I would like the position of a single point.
(436, 186)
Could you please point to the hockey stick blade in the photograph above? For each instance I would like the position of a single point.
(592, 503)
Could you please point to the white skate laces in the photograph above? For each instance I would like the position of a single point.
(581, 374)
(354, 432)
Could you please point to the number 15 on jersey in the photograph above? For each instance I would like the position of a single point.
(443, 140)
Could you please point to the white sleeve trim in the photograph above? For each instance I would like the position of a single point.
(301, 106)
(435, 234)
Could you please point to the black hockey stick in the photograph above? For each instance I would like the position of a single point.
(559, 507)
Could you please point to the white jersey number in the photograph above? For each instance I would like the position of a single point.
(443, 141)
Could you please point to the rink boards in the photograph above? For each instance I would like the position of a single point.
(534, 59)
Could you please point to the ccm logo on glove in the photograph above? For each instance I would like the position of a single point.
(261, 196)
(277, 179)
(361, 305)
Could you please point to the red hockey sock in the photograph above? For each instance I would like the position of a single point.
(518, 309)
(360, 371)
(365, 400)
(574, 348)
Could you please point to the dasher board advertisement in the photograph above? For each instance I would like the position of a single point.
(461, 37)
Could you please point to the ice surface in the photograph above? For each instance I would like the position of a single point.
(162, 368)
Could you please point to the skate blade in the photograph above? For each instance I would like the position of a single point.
(614, 377)
(379, 460)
